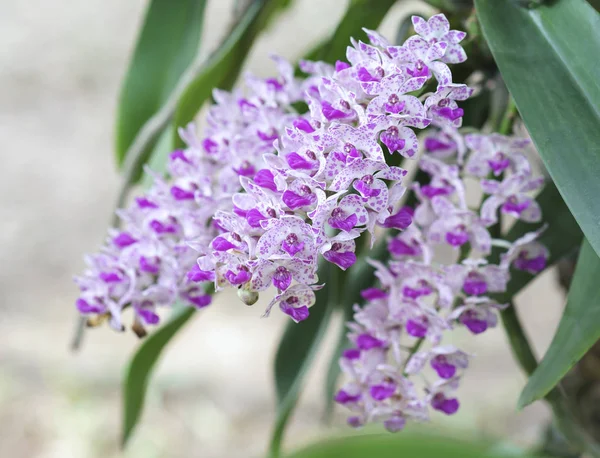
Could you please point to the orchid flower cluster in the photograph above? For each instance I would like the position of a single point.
(420, 299)
(152, 260)
(268, 193)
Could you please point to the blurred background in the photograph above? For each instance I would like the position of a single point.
(61, 65)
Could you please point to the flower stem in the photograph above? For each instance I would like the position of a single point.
(508, 119)
(519, 343)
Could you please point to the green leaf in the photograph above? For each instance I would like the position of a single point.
(360, 13)
(578, 330)
(546, 57)
(167, 44)
(223, 67)
(140, 368)
(399, 445)
(297, 349)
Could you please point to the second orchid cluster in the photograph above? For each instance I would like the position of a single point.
(399, 366)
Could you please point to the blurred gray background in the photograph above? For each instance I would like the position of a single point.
(61, 64)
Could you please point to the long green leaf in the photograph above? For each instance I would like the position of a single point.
(544, 59)
(223, 67)
(547, 58)
(141, 366)
(578, 330)
(400, 445)
(297, 349)
(167, 44)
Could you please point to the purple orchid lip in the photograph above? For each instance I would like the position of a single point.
(500, 163)
(382, 391)
(254, 217)
(124, 239)
(473, 323)
(163, 228)
(245, 170)
(370, 294)
(394, 104)
(198, 275)
(265, 179)
(443, 368)
(282, 278)
(294, 201)
(179, 153)
(340, 65)
(296, 313)
(149, 265)
(331, 113)
(430, 191)
(451, 114)
(351, 353)
(365, 77)
(304, 125)
(244, 103)
(110, 277)
(420, 70)
(401, 248)
(268, 136)
(238, 278)
(274, 84)
(339, 221)
(199, 301)
(343, 260)
(514, 207)
(533, 265)
(391, 139)
(292, 245)
(416, 329)
(210, 146)
(343, 397)
(365, 189)
(85, 307)
(144, 202)
(448, 406)
(297, 162)
(181, 194)
(475, 284)
(400, 220)
(433, 145)
(148, 316)
(414, 293)
(457, 238)
(367, 342)
(222, 244)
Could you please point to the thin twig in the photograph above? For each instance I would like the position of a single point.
(79, 333)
